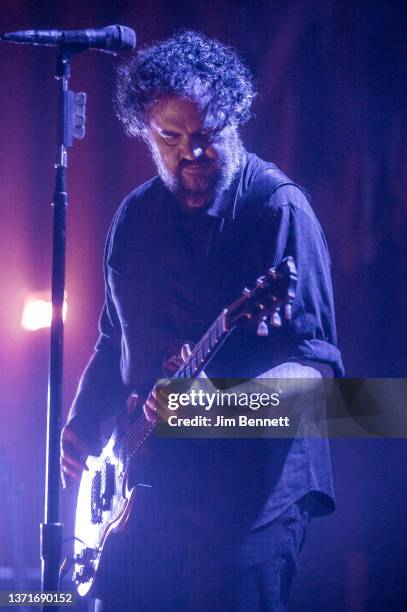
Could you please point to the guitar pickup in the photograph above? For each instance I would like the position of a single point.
(108, 482)
(95, 500)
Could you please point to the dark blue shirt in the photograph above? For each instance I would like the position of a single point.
(168, 275)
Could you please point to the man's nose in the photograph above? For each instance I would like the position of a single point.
(192, 149)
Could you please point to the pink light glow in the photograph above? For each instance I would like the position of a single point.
(37, 312)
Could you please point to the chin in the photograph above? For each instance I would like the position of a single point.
(205, 194)
(193, 204)
(196, 186)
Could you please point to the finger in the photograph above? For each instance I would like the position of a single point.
(150, 413)
(70, 471)
(71, 442)
(185, 352)
(74, 462)
(75, 467)
(75, 454)
(161, 397)
(151, 401)
(156, 405)
(66, 480)
(132, 403)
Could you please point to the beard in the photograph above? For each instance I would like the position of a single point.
(211, 180)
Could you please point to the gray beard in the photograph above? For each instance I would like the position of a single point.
(207, 188)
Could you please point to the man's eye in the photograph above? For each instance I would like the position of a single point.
(170, 139)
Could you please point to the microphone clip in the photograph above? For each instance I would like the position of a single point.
(75, 117)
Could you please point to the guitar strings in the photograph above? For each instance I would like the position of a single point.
(142, 429)
(216, 327)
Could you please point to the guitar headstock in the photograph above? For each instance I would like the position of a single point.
(268, 301)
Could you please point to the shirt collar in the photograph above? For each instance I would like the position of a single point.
(223, 205)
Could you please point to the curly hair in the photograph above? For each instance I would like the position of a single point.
(190, 65)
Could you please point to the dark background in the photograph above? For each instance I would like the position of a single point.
(330, 111)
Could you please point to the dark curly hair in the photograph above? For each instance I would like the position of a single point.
(190, 65)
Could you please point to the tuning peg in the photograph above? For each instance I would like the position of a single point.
(262, 328)
(275, 319)
(288, 311)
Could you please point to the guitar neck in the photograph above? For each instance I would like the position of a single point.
(205, 349)
(201, 355)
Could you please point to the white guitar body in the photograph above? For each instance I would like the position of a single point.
(104, 505)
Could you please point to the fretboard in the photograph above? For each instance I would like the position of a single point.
(200, 357)
(204, 350)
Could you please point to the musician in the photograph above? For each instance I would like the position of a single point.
(224, 521)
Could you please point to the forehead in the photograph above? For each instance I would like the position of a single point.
(177, 114)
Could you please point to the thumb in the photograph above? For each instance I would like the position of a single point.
(132, 403)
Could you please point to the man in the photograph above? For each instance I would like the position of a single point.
(225, 519)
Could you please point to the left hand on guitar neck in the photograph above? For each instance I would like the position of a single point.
(155, 407)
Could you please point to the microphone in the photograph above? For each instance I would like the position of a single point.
(111, 39)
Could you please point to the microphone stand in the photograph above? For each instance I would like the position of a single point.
(71, 124)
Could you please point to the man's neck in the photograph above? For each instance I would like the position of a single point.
(194, 202)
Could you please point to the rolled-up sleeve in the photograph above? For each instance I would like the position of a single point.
(292, 229)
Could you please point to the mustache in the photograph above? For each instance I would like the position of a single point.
(199, 161)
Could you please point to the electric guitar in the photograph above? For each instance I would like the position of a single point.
(105, 499)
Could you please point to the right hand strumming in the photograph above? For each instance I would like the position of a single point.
(74, 451)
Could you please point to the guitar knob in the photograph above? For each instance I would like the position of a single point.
(275, 319)
(262, 328)
(84, 574)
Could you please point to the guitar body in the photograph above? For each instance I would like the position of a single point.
(104, 505)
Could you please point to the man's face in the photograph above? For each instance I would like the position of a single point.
(195, 159)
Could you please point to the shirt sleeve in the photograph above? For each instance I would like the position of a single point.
(292, 229)
(101, 391)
